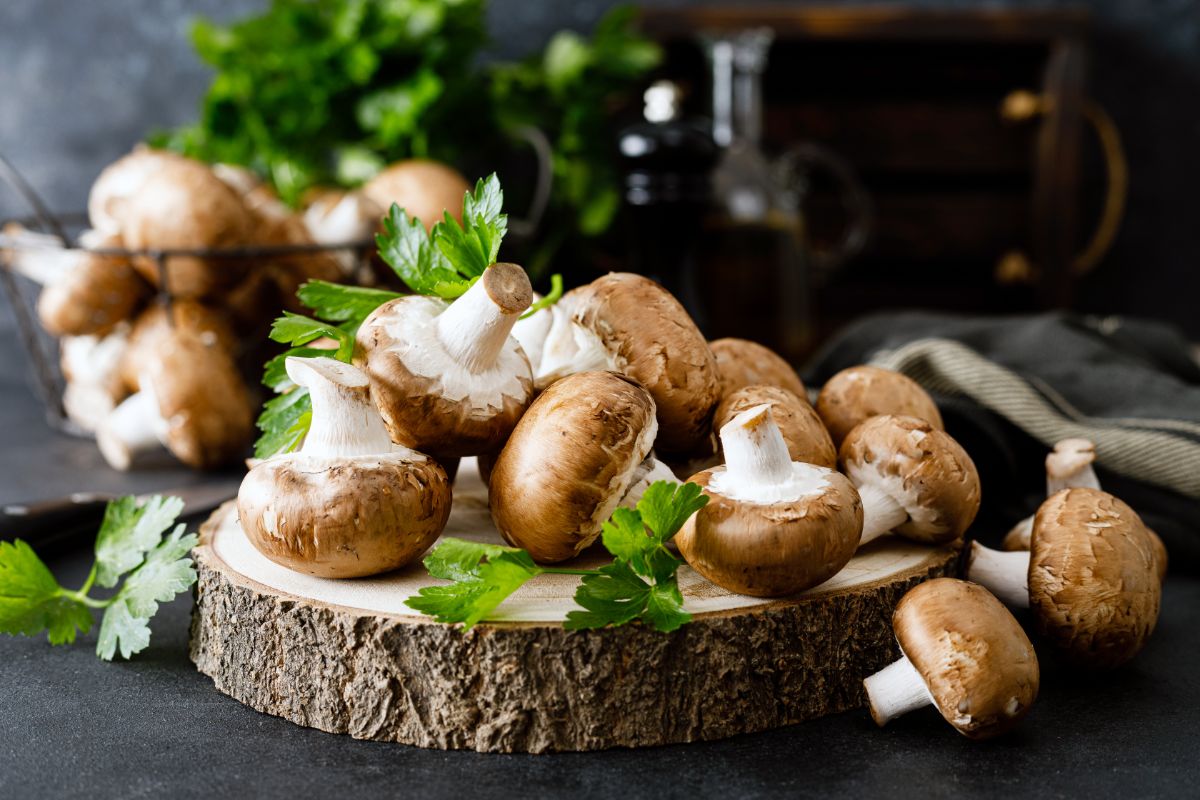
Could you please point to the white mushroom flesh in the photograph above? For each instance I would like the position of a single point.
(896, 690)
(758, 467)
(1004, 574)
(647, 472)
(134, 430)
(570, 348)
(344, 423)
(531, 333)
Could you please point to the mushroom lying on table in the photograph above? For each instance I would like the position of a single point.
(772, 526)
(580, 451)
(629, 323)
(349, 503)
(741, 363)
(1069, 466)
(962, 651)
(1090, 577)
(856, 394)
(914, 480)
(806, 438)
(449, 380)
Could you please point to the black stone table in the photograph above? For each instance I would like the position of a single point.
(73, 726)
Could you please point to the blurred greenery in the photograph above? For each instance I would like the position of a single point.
(321, 92)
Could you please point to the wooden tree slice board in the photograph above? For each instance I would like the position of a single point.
(349, 657)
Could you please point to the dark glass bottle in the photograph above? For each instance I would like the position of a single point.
(668, 161)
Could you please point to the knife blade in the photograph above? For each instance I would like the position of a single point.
(55, 524)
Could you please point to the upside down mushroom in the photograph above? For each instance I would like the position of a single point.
(962, 651)
(772, 526)
(806, 437)
(349, 503)
(449, 380)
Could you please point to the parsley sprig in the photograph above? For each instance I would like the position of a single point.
(640, 583)
(129, 545)
(442, 263)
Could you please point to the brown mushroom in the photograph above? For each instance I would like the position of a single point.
(122, 180)
(631, 324)
(426, 190)
(184, 206)
(191, 399)
(914, 480)
(449, 380)
(580, 451)
(741, 362)
(91, 369)
(1090, 577)
(858, 393)
(962, 651)
(772, 526)
(159, 320)
(807, 440)
(349, 503)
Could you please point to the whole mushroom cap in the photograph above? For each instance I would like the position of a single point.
(652, 339)
(858, 393)
(741, 362)
(424, 189)
(1093, 577)
(569, 462)
(346, 518)
(920, 467)
(160, 320)
(119, 182)
(185, 206)
(977, 662)
(202, 399)
(806, 437)
(773, 549)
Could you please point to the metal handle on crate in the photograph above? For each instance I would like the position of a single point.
(47, 385)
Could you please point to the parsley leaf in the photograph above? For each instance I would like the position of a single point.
(474, 245)
(297, 329)
(31, 600)
(411, 253)
(130, 540)
(338, 303)
(640, 584)
(128, 531)
(483, 574)
(283, 422)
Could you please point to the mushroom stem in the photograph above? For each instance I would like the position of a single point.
(1004, 574)
(896, 690)
(755, 452)
(131, 435)
(344, 422)
(474, 328)
(1069, 466)
(881, 512)
(647, 472)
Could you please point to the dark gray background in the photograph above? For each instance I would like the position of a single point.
(83, 80)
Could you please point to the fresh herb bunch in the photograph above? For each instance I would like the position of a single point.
(310, 93)
(640, 583)
(317, 93)
(130, 547)
(442, 263)
(569, 92)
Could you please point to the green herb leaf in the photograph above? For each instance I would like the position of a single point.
(407, 248)
(130, 540)
(283, 422)
(665, 506)
(165, 573)
(31, 600)
(296, 329)
(337, 303)
(474, 245)
(556, 293)
(484, 575)
(130, 530)
(664, 607)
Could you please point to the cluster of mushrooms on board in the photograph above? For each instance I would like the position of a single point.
(154, 351)
(574, 410)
